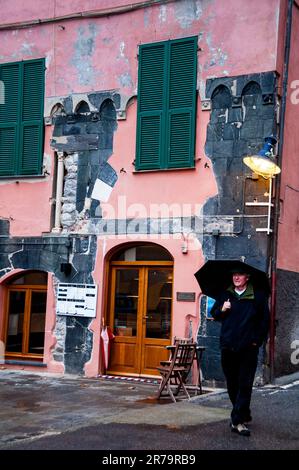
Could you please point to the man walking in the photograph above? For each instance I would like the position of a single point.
(244, 314)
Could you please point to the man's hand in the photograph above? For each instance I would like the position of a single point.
(226, 306)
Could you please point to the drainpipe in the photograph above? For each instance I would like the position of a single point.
(277, 187)
(59, 192)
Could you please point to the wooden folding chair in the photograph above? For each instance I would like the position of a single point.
(171, 348)
(198, 356)
(176, 372)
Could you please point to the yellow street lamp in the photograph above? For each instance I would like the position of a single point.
(264, 162)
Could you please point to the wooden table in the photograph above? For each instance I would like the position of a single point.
(198, 357)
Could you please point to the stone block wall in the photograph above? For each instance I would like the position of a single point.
(243, 113)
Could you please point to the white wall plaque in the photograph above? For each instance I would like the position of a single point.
(78, 300)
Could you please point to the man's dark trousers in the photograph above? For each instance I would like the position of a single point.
(239, 369)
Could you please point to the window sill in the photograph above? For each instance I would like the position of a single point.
(22, 177)
(164, 170)
(18, 362)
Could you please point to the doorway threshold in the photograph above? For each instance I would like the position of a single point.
(128, 379)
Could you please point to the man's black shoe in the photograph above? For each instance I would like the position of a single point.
(240, 429)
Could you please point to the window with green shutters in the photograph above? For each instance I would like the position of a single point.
(21, 118)
(166, 116)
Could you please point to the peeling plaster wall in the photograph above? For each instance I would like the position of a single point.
(87, 143)
(101, 54)
(84, 46)
(27, 202)
(88, 42)
(73, 346)
(96, 60)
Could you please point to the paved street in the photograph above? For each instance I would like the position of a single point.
(49, 412)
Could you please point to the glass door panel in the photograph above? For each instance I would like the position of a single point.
(37, 322)
(126, 302)
(159, 300)
(16, 314)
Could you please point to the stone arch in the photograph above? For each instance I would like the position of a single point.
(109, 124)
(251, 88)
(57, 110)
(82, 108)
(251, 104)
(221, 97)
(122, 104)
(107, 110)
(130, 101)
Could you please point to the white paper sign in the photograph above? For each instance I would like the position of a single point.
(76, 300)
(101, 191)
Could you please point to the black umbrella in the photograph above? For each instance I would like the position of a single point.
(216, 275)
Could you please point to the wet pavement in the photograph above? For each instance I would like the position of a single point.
(36, 405)
(42, 411)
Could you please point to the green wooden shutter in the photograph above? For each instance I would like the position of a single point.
(151, 98)
(31, 132)
(9, 118)
(7, 150)
(181, 119)
(21, 118)
(166, 104)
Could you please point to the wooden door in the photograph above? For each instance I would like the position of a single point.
(156, 325)
(125, 308)
(140, 316)
(26, 314)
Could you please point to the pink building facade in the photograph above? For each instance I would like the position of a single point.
(143, 113)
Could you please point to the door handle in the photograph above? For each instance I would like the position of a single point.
(144, 318)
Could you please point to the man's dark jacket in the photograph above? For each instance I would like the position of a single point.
(246, 322)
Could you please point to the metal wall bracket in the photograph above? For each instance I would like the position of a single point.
(268, 204)
(206, 105)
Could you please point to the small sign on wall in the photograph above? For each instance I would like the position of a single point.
(78, 300)
(185, 296)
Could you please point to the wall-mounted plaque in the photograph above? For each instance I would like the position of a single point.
(76, 300)
(185, 296)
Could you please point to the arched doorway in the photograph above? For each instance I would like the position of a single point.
(25, 315)
(139, 309)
